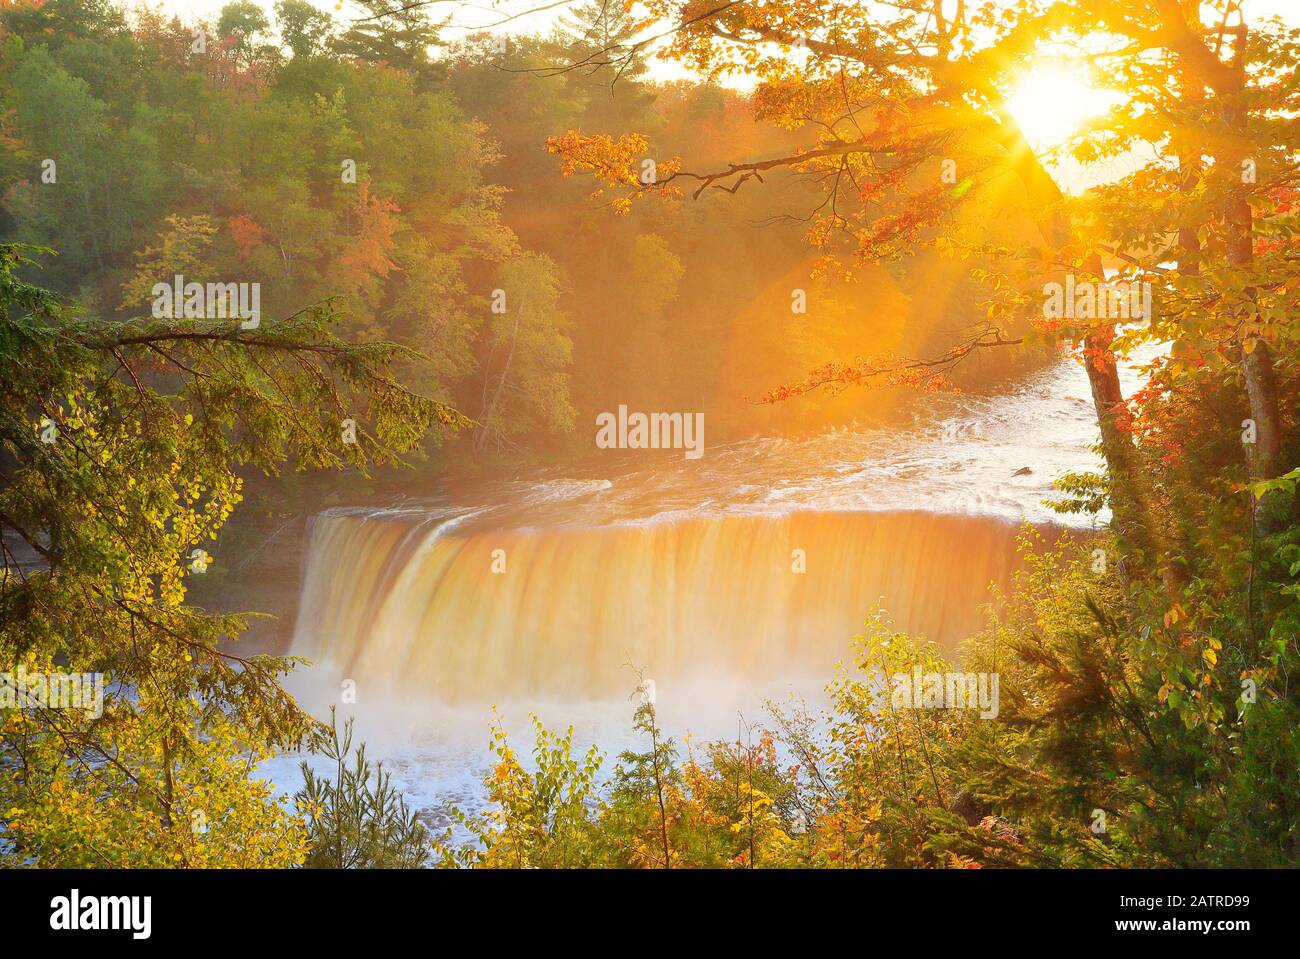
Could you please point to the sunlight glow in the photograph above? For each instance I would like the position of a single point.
(1052, 103)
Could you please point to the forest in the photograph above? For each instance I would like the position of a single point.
(468, 246)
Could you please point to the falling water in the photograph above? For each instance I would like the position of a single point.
(459, 613)
(534, 594)
(760, 560)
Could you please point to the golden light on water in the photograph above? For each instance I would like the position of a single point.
(403, 604)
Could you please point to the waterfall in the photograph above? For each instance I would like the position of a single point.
(427, 603)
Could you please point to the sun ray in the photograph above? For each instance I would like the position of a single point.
(1051, 103)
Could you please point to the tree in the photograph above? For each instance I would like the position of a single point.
(243, 20)
(887, 98)
(106, 172)
(181, 249)
(303, 28)
(538, 819)
(319, 177)
(352, 824)
(394, 33)
(123, 446)
(241, 24)
(885, 194)
(647, 782)
(524, 384)
(1147, 660)
(654, 279)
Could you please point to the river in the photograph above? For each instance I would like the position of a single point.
(729, 580)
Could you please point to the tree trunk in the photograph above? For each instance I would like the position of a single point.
(1272, 512)
(490, 410)
(1129, 503)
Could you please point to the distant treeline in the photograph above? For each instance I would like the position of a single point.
(367, 161)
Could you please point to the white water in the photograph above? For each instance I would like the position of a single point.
(383, 589)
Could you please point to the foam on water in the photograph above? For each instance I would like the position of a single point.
(679, 566)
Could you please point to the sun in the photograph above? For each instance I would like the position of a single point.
(1052, 103)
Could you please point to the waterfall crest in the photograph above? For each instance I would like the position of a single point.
(411, 599)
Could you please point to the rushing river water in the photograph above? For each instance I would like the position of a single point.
(730, 579)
